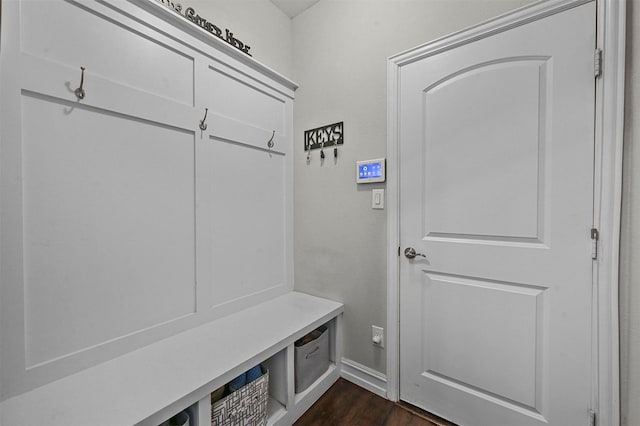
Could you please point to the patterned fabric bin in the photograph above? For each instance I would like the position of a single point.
(245, 407)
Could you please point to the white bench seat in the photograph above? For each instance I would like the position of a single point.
(150, 384)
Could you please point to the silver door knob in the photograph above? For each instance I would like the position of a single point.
(410, 253)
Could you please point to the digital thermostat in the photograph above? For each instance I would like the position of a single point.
(369, 171)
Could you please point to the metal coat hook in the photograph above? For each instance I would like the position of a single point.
(79, 92)
(203, 125)
(270, 142)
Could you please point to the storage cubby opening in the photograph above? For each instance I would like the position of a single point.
(277, 403)
(299, 397)
(277, 394)
(186, 417)
(192, 412)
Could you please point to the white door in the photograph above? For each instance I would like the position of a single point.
(496, 141)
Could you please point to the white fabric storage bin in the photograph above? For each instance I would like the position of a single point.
(245, 407)
(311, 358)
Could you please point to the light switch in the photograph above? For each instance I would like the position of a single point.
(377, 199)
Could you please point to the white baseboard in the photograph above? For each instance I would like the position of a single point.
(365, 377)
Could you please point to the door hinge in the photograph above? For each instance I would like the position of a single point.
(592, 418)
(597, 63)
(595, 236)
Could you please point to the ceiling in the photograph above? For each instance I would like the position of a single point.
(292, 8)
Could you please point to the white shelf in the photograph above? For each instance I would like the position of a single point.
(302, 395)
(302, 401)
(151, 384)
(275, 411)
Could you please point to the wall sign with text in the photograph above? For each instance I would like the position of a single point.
(325, 136)
(190, 14)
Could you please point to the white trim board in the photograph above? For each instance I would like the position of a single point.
(607, 187)
(611, 23)
(365, 377)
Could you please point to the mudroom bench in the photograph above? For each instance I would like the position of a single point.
(151, 384)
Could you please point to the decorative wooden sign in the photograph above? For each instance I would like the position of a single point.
(325, 136)
(191, 15)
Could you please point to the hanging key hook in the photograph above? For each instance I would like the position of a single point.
(270, 143)
(203, 125)
(79, 92)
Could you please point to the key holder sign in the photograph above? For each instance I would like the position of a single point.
(325, 136)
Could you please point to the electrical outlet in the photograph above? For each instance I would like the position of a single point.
(377, 336)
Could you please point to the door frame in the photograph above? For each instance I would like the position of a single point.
(609, 123)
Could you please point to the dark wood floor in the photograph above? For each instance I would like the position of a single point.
(346, 404)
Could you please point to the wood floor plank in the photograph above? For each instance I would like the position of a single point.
(346, 404)
(398, 416)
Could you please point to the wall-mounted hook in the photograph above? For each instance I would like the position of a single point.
(203, 125)
(79, 92)
(270, 142)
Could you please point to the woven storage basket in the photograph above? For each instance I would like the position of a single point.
(245, 407)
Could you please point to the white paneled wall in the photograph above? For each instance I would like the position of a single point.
(123, 222)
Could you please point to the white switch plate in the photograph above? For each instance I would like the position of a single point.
(377, 199)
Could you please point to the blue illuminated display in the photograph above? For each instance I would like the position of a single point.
(370, 170)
